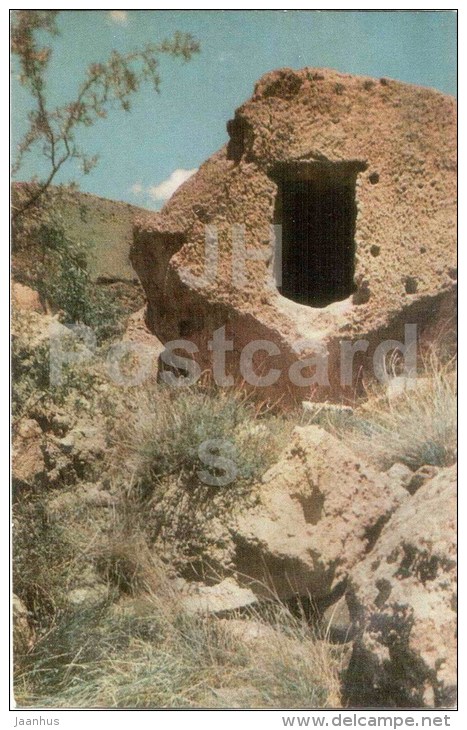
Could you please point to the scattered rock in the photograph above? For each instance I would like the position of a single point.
(219, 599)
(67, 444)
(25, 298)
(88, 596)
(250, 631)
(401, 474)
(402, 597)
(85, 444)
(421, 476)
(61, 422)
(28, 428)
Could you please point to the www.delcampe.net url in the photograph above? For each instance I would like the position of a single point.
(359, 720)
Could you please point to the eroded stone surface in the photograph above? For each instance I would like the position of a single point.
(321, 510)
(403, 597)
(396, 142)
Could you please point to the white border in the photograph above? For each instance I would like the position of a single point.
(212, 719)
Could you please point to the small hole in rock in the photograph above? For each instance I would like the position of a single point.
(453, 273)
(362, 295)
(375, 250)
(411, 285)
(374, 178)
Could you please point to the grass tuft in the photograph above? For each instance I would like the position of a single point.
(417, 426)
(149, 653)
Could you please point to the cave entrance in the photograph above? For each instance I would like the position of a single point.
(316, 208)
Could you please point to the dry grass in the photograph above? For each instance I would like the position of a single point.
(147, 652)
(170, 424)
(157, 455)
(417, 426)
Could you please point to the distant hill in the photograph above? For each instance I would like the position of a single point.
(107, 225)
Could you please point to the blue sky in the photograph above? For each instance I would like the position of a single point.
(146, 153)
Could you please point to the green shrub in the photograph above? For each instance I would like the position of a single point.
(63, 280)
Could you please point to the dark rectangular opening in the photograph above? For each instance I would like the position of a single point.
(317, 211)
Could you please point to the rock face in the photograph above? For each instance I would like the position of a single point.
(321, 510)
(23, 633)
(403, 598)
(25, 298)
(361, 176)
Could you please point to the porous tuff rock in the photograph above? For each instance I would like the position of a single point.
(398, 144)
(321, 510)
(403, 598)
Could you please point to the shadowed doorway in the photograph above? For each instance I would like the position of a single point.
(317, 211)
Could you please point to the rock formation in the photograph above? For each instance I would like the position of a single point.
(361, 176)
(321, 510)
(403, 597)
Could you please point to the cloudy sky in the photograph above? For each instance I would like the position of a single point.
(146, 154)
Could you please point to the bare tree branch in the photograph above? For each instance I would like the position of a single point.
(104, 86)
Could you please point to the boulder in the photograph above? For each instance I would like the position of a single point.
(86, 597)
(85, 443)
(402, 597)
(320, 511)
(383, 155)
(225, 597)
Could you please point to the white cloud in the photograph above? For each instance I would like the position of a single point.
(120, 17)
(136, 189)
(166, 188)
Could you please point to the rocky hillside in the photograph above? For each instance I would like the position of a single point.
(105, 226)
(314, 566)
(73, 250)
